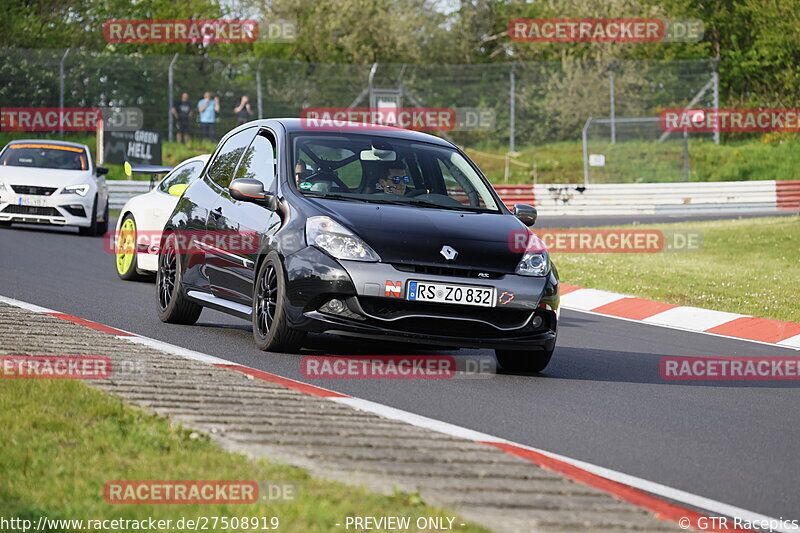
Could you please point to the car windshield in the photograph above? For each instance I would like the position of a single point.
(40, 155)
(386, 170)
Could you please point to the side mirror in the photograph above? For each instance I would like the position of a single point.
(178, 189)
(526, 213)
(101, 171)
(252, 190)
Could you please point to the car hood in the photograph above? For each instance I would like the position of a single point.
(43, 177)
(412, 235)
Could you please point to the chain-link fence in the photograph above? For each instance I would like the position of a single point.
(532, 103)
(636, 150)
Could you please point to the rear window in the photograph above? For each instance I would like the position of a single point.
(45, 156)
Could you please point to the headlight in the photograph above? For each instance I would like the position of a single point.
(80, 190)
(534, 264)
(338, 241)
(2, 186)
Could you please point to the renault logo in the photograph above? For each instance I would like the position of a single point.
(449, 253)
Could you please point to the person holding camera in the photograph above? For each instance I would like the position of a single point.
(243, 111)
(207, 113)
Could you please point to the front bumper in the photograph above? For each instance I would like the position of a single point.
(525, 318)
(57, 210)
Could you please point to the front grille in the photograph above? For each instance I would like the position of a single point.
(434, 270)
(387, 309)
(33, 189)
(32, 210)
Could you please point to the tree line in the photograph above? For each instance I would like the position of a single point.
(756, 42)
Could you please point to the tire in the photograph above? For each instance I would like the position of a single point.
(173, 306)
(126, 262)
(522, 360)
(102, 227)
(91, 231)
(270, 328)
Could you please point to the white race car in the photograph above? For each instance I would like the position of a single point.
(143, 217)
(53, 182)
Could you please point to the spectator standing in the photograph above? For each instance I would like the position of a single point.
(208, 110)
(182, 111)
(243, 111)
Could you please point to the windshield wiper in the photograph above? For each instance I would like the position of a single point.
(422, 203)
(336, 196)
(416, 203)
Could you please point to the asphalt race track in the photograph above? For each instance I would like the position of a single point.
(601, 400)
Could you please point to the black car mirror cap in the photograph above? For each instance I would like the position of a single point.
(252, 190)
(526, 213)
(101, 171)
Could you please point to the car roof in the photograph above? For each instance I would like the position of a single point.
(201, 157)
(295, 125)
(48, 141)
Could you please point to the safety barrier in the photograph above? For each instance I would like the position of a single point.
(656, 198)
(612, 199)
(120, 191)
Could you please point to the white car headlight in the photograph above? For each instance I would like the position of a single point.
(534, 264)
(338, 241)
(80, 190)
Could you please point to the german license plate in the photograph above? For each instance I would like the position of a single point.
(36, 201)
(424, 291)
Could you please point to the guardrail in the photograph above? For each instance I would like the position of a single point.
(611, 199)
(120, 191)
(656, 198)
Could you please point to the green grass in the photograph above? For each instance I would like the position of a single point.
(749, 266)
(772, 156)
(62, 441)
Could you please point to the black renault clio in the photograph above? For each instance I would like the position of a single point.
(383, 234)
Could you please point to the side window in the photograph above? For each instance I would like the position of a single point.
(259, 163)
(458, 186)
(181, 175)
(224, 164)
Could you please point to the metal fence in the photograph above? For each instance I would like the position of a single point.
(533, 103)
(636, 150)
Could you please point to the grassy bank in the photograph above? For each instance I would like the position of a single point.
(749, 266)
(62, 441)
(767, 158)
